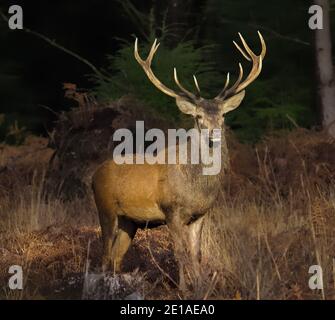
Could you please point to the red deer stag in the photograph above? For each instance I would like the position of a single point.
(130, 196)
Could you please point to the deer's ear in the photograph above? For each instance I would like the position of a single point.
(232, 103)
(186, 106)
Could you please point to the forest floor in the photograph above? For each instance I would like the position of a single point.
(275, 218)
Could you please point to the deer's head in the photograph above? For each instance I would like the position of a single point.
(208, 113)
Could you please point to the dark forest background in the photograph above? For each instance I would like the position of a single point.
(196, 37)
(274, 211)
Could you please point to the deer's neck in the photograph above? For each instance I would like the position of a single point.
(194, 188)
(224, 153)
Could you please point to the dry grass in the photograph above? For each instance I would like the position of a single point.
(274, 219)
(265, 254)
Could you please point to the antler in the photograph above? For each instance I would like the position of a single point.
(146, 65)
(254, 73)
(236, 88)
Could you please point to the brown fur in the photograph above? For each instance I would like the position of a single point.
(179, 195)
(137, 195)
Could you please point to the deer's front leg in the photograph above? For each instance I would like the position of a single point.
(178, 231)
(194, 240)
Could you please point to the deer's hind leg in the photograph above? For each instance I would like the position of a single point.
(109, 225)
(117, 240)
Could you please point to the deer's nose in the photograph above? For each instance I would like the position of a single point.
(215, 135)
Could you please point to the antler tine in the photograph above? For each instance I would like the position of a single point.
(246, 47)
(226, 92)
(146, 65)
(263, 53)
(242, 51)
(196, 83)
(188, 93)
(257, 62)
(227, 82)
(224, 88)
(238, 81)
(152, 52)
(136, 54)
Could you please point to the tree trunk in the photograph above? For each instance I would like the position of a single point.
(325, 70)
